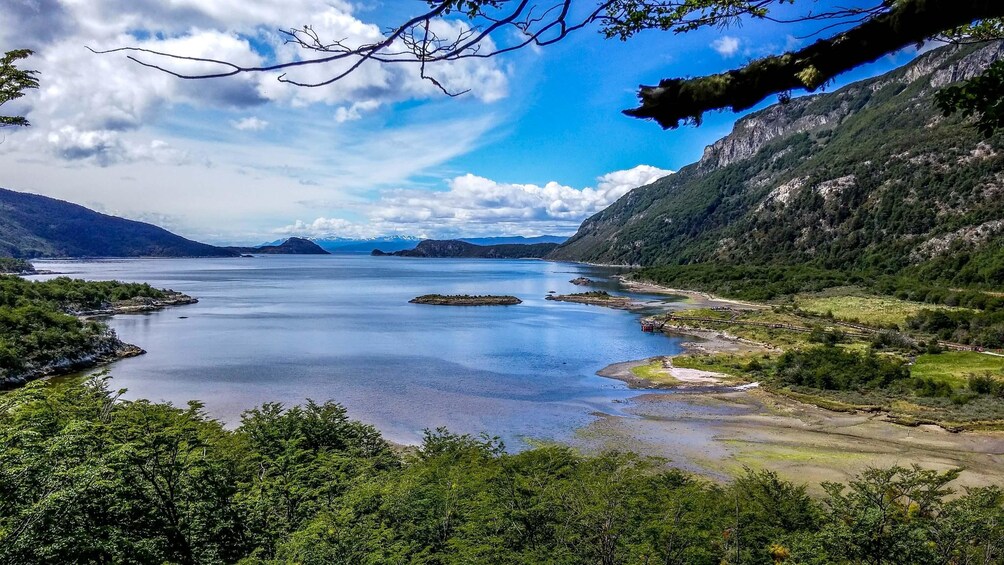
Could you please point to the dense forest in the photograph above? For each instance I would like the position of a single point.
(38, 327)
(88, 477)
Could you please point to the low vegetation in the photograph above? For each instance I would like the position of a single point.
(844, 350)
(883, 311)
(654, 372)
(87, 477)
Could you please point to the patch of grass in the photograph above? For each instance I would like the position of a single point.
(755, 455)
(879, 311)
(955, 366)
(707, 313)
(725, 321)
(655, 373)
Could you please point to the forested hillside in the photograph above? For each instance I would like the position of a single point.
(37, 226)
(869, 179)
(455, 248)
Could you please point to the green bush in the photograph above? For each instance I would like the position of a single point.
(832, 368)
(86, 477)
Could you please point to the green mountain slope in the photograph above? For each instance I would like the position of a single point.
(37, 226)
(869, 178)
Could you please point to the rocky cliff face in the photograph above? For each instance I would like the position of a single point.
(752, 133)
(869, 176)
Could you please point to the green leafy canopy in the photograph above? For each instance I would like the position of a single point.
(14, 82)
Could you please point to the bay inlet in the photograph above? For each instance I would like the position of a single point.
(287, 328)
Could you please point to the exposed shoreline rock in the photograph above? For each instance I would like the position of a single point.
(138, 305)
(110, 349)
(581, 281)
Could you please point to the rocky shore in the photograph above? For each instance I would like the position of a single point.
(109, 348)
(138, 305)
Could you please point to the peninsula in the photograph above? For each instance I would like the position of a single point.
(49, 328)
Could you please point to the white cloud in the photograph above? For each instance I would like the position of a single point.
(250, 123)
(474, 205)
(109, 132)
(332, 227)
(726, 46)
(106, 98)
(355, 111)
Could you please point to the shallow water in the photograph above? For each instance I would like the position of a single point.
(287, 328)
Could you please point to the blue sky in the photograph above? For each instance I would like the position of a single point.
(536, 146)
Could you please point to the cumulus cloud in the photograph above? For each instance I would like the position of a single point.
(332, 227)
(726, 46)
(106, 98)
(474, 205)
(106, 147)
(250, 123)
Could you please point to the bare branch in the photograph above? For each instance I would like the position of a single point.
(489, 28)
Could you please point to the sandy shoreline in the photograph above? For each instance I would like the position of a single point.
(718, 433)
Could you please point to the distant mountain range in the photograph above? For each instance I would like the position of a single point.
(34, 226)
(292, 246)
(455, 248)
(870, 178)
(37, 226)
(402, 243)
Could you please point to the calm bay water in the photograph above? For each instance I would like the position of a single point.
(287, 328)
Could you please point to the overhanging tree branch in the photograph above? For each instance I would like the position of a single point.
(490, 28)
(676, 101)
(14, 82)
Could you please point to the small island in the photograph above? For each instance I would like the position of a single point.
(595, 297)
(580, 281)
(465, 300)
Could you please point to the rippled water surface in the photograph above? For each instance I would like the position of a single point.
(287, 328)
